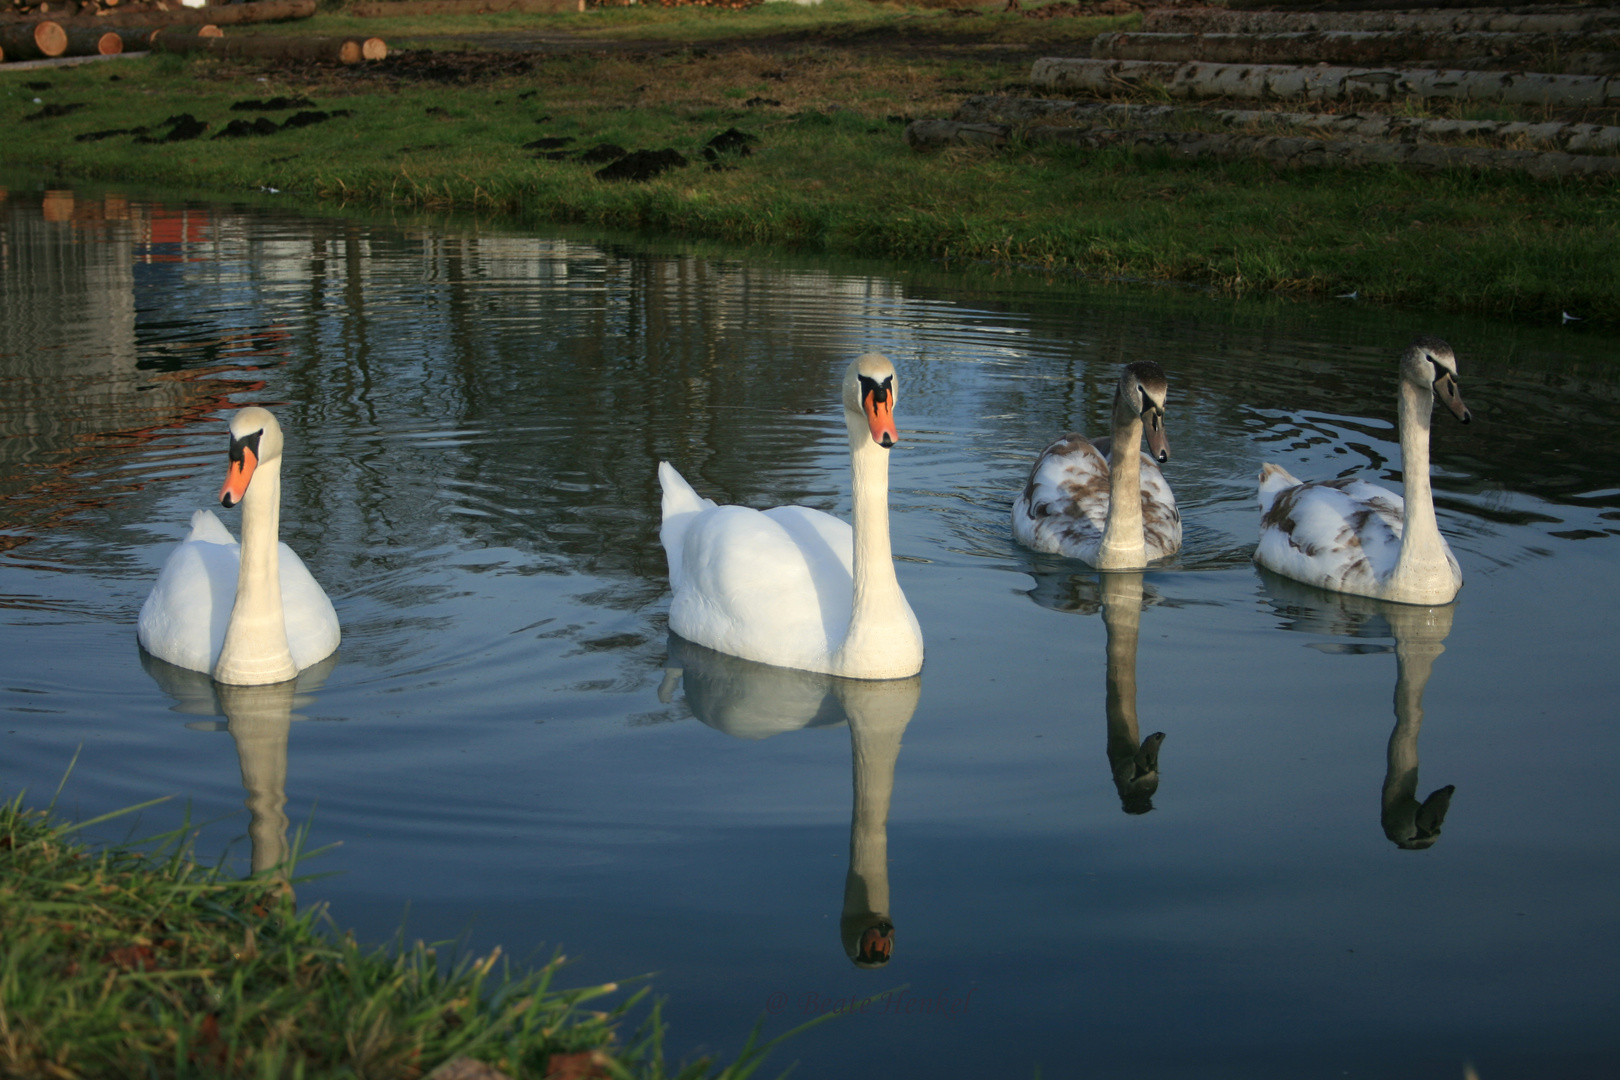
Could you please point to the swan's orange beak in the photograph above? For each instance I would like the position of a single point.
(879, 406)
(238, 474)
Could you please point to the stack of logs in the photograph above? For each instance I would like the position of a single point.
(57, 28)
(46, 40)
(1566, 60)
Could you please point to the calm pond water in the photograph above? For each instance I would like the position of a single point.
(474, 416)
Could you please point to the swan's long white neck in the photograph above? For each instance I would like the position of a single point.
(255, 650)
(1423, 573)
(881, 642)
(1123, 542)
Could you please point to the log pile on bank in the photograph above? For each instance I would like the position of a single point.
(1330, 88)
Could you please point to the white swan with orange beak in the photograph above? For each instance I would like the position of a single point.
(792, 586)
(250, 614)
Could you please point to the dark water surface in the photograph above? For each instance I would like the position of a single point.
(473, 420)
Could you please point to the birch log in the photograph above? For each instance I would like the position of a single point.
(1570, 138)
(1212, 20)
(1343, 46)
(1280, 83)
(32, 41)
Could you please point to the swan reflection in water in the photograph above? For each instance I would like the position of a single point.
(1420, 634)
(754, 701)
(258, 719)
(1120, 596)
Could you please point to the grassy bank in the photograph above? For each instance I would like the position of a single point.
(826, 92)
(128, 962)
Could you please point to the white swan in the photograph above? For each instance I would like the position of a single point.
(1354, 537)
(1068, 506)
(795, 587)
(247, 615)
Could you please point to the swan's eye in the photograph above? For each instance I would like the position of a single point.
(250, 442)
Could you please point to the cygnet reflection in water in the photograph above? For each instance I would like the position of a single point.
(1135, 760)
(1120, 596)
(754, 701)
(258, 719)
(1420, 633)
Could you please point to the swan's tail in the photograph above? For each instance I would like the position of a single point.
(1274, 480)
(681, 506)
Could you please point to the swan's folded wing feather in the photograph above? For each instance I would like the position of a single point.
(1064, 505)
(748, 587)
(184, 617)
(312, 622)
(1161, 519)
(206, 526)
(1342, 535)
(680, 506)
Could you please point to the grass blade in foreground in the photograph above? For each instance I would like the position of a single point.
(140, 962)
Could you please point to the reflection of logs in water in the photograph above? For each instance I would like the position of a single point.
(754, 701)
(1135, 761)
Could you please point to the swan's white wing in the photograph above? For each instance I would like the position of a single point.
(312, 623)
(768, 587)
(184, 617)
(1343, 535)
(1064, 506)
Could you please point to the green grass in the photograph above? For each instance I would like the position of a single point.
(832, 172)
(137, 961)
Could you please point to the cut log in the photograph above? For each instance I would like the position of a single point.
(1279, 83)
(223, 15)
(1293, 152)
(136, 37)
(32, 41)
(1211, 20)
(1570, 138)
(1479, 48)
(383, 9)
(88, 41)
(265, 47)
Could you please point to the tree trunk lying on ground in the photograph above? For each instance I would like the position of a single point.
(1480, 49)
(342, 50)
(1226, 21)
(1571, 138)
(224, 15)
(32, 41)
(1275, 82)
(382, 9)
(1291, 151)
(89, 41)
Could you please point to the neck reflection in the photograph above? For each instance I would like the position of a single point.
(754, 701)
(259, 719)
(1419, 633)
(1135, 761)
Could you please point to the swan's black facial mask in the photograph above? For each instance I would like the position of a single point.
(877, 401)
(244, 455)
